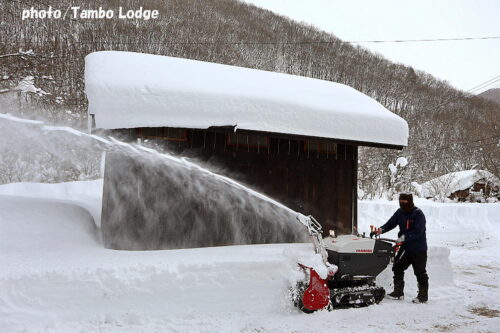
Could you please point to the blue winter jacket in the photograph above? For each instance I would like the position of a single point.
(412, 225)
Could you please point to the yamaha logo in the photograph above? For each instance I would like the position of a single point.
(364, 251)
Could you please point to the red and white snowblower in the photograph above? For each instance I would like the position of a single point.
(352, 265)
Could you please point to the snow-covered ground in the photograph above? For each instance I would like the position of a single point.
(56, 276)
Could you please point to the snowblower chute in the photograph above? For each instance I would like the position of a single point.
(353, 263)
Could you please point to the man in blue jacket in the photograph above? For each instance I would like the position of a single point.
(411, 222)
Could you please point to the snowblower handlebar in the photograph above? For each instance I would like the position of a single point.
(398, 251)
(388, 240)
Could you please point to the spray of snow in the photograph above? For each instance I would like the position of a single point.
(123, 146)
(189, 185)
(190, 205)
(32, 151)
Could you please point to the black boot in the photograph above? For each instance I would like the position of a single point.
(423, 288)
(423, 293)
(398, 293)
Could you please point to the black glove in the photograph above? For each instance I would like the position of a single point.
(375, 232)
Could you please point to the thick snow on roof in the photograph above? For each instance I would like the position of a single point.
(456, 181)
(128, 90)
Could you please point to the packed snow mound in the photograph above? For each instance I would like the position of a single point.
(86, 194)
(456, 181)
(459, 224)
(38, 234)
(438, 267)
(52, 263)
(129, 90)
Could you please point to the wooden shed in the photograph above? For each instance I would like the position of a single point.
(294, 139)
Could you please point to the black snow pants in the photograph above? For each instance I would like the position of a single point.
(418, 261)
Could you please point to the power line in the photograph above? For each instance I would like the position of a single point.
(423, 40)
(479, 85)
(271, 42)
(485, 84)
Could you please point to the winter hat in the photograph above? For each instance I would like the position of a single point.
(406, 202)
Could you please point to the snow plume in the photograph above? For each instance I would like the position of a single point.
(155, 201)
(151, 199)
(31, 151)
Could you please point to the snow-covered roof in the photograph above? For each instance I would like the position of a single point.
(456, 181)
(128, 90)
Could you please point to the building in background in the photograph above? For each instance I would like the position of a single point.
(468, 185)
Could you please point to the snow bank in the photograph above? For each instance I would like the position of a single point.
(447, 223)
(127, 90)
(438, 268)
(39, 233)
(86, 194)
(54, 269)
(55, 273)
(56, 277)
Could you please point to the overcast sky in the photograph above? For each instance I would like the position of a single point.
(464, 64)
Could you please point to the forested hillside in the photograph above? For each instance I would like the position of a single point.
(449, 129)
(492, 95)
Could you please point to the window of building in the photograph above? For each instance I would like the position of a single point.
(163, 133)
